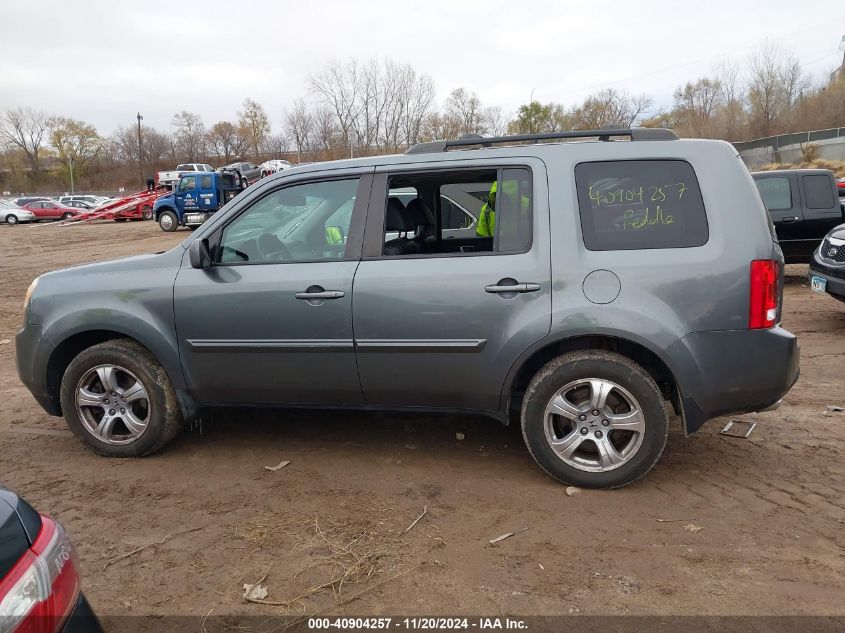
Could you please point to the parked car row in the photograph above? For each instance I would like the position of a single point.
(36, 211)
(248, 173)
(12, 214)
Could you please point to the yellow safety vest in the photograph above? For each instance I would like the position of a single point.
(487, 220)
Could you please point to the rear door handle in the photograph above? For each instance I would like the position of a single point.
(518, 287)
(789, 220)
(322, 294)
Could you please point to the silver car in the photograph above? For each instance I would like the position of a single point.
(12, 214)
(615, 286)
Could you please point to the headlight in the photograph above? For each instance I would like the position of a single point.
(28, 294)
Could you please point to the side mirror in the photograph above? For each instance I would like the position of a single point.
(199, 255)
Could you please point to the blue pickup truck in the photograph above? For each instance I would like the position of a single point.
(195, 198)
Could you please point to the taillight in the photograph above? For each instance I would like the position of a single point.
(41, 590)
(764, 293)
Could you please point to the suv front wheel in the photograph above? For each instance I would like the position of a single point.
(594, 419)
(117, 398)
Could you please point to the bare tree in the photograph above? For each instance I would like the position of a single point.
(76, 142)
(774, 85)
(337, 86)
(731, 117)
(227, 141)
(696, 105)
(299, 125)
(610, 108)
(190, 136)
(464, 108)
(420, 99)
(495, 121)
(376, 106)
(254, 123)
(156, 145)
(324, 129)
(26, 130)
(275, 144)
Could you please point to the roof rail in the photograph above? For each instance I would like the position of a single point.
(635, 134)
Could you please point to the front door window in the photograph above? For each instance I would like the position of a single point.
(307, 222)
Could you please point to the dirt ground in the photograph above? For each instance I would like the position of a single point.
(721, 526)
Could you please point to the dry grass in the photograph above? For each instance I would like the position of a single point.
(836, 166)
(332, 555)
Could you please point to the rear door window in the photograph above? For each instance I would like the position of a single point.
(819, 192)
(775, 192)
(640, 204)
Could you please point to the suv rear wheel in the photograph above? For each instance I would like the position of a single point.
(117, 398)
(594, 419)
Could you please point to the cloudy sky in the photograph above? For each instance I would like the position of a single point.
(103, 61)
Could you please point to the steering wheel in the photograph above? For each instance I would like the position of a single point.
(272, 248)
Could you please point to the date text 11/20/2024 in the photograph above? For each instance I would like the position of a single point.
(417, 624)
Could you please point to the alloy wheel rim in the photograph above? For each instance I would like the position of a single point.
(166, 221)
(594, 425)
(113, 404)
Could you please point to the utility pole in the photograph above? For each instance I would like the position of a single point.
(842, 67)
(70, 164)
(140, 149)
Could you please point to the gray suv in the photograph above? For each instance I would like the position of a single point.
(613, 276)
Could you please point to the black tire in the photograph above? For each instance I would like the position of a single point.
(11, 219)
(603, 365)
(120, 219)
(147, 213)
(67, 216)
(170, 221)
(165, 419)
(244, 183)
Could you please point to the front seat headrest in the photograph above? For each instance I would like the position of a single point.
(418, 213)
(394, 217)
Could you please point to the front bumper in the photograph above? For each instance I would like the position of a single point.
(32, 353)
(835, 276)
(732, 371)
(82, 619)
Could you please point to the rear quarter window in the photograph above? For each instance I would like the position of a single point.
(640, 204)
(819, 192)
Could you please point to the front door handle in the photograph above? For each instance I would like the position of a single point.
(789, 220)
(506, 288)
(312, 295)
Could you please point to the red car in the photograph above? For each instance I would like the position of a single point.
(50, 210)
(39, 574)
(841, 185)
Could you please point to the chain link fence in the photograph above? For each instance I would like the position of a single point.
(789, 148)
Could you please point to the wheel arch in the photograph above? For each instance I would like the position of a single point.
(77, 342)
(158, 211)
(535, 358)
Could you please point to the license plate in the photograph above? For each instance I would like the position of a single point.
(818, 284)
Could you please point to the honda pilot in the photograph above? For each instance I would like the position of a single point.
(615, 279)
